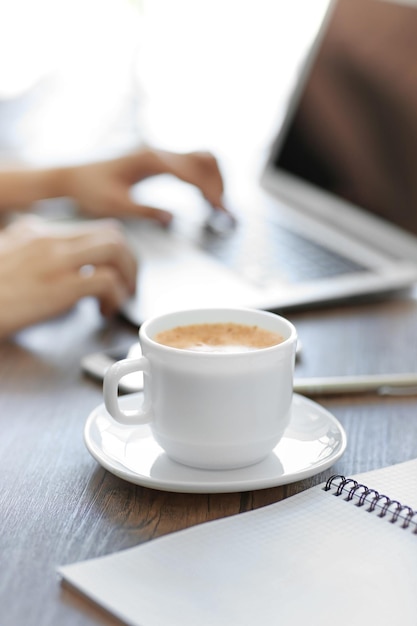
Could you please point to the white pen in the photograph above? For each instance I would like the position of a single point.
(385, 384)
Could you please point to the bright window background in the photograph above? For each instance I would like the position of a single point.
(87, 78)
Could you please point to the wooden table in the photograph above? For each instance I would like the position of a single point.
(57, 505)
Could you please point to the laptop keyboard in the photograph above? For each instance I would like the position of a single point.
(265, 252)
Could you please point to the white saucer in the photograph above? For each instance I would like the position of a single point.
(313, 441)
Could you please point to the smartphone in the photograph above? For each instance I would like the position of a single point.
(95, 365)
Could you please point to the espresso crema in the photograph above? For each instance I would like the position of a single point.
(219, 337)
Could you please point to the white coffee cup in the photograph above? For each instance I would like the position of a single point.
(211, 410)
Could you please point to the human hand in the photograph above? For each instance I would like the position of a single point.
(44, 270)
(200, 169)
(104, 189)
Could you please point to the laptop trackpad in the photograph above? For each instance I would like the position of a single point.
(175, 274)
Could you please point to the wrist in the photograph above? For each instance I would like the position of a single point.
(161, 161)
(56, 182)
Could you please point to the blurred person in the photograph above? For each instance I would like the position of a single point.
(45, 268)
(71, 101)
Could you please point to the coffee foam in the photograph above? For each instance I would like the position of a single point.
(219, 337)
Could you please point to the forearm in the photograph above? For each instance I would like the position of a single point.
(19, 188)
(102, 189)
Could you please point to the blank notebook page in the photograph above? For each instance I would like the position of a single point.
(313, 558)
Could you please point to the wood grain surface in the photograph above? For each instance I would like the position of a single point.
(57, 505)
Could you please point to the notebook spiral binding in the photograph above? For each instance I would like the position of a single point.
(362, 495)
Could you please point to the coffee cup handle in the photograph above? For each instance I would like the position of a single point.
(111, 381)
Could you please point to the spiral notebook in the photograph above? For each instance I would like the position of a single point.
(344, 552)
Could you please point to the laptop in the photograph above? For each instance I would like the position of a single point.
(333, 214)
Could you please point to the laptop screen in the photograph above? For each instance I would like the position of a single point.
(353, 130)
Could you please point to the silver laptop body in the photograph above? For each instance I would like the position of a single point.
(334, 214)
